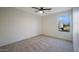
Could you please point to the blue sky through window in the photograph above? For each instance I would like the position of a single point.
(64, 19)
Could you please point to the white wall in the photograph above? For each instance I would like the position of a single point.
(16, 25)
(50, 26)
(76, 29)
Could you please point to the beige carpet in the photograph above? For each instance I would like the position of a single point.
(39, 44)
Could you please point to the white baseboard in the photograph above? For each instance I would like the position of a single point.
(56, 37)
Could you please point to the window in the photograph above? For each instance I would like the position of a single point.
(64, 23)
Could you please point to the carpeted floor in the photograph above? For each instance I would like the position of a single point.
(39, 44)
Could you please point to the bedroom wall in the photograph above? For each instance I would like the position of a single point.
(16, 25)
(76, 29)
(50, 26)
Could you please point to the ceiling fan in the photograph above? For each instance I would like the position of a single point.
(41, 9)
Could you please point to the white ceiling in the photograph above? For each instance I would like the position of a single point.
(54, 10)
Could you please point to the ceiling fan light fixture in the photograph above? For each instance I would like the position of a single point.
(41, 12)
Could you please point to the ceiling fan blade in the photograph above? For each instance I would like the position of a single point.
(35, 7)
(47, 9)
(36, 11)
